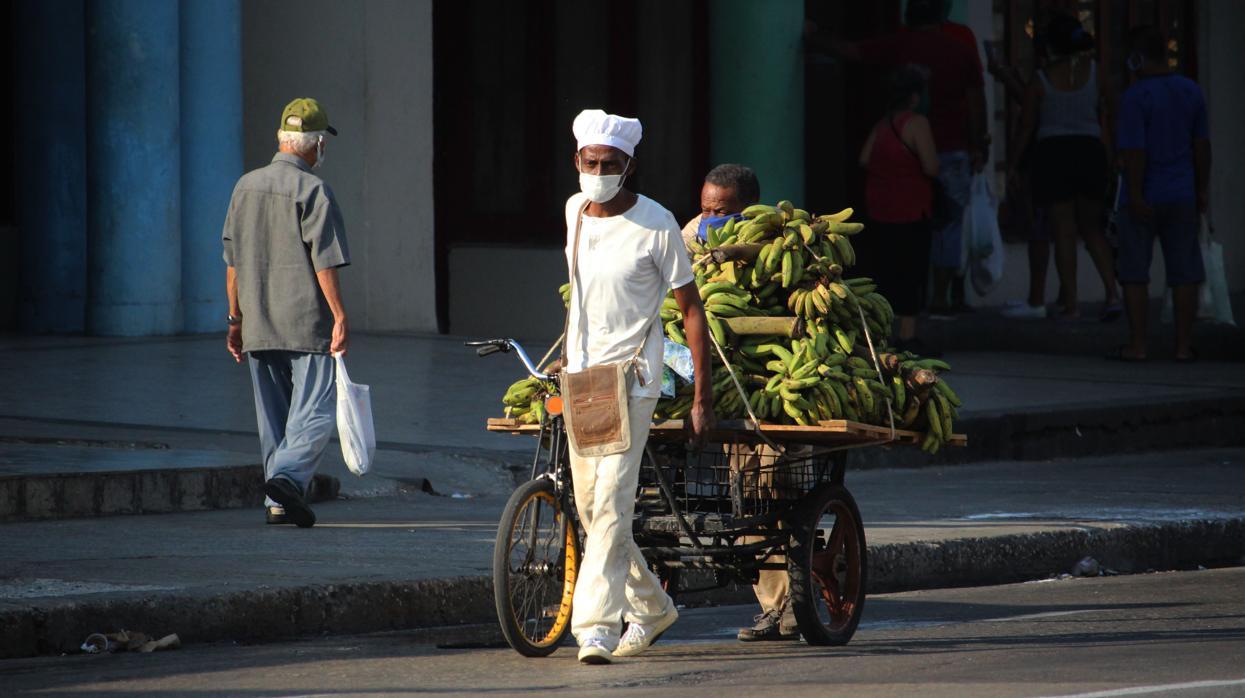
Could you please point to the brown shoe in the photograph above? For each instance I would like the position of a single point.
(772, 625)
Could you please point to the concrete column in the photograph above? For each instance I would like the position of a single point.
(211, 151)
(51, 164)
(756, 92)
(133, 167)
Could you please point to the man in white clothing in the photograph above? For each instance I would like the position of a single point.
(630, 254)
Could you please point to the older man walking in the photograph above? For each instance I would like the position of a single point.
(624, 253)
(284, 240)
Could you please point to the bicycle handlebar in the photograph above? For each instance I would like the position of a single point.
(492, 346)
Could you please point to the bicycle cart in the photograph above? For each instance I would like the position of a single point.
(751, 499)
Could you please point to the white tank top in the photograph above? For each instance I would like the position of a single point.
(1069, 112)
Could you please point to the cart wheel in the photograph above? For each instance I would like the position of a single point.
(826, 563)
(535, 563)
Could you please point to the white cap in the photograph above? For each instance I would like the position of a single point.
(595, 127)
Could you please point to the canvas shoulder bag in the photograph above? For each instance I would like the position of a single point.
(595, 399)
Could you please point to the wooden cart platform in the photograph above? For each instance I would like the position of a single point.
(832, 432)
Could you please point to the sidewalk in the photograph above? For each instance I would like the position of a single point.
(126, 426)
(987, 330)
(175, 415)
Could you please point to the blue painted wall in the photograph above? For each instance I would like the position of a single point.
(51, 165)
(211, 151)
(134, 168)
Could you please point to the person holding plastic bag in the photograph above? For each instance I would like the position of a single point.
(1164, 143)
(284, 241)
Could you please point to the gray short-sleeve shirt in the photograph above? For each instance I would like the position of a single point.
(283, 226)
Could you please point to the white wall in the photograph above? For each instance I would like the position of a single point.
(370, 65)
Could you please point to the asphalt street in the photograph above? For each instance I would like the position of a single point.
(1163, 634)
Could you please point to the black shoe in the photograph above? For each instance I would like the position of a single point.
(773, 625)
(285, 493)
(276, 515)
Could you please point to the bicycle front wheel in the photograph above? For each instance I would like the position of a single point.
(535, 563)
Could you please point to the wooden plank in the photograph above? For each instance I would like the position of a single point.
(835, 432)
(751, 325)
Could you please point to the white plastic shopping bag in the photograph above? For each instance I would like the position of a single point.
(1216, 286)
(983, 242)
(1213, 303)
(354, 421)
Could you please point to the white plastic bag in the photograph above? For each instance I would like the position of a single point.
(1213, 303)
(1216, 286)
(983, 242)
(354, 421)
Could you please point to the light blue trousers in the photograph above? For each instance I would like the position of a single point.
(296, 408)
(955, 171)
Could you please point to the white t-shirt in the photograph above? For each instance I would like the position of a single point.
(627, 263)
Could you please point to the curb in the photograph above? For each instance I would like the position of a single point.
(267, 614)
(1100, 430)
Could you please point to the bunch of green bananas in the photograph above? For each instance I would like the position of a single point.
(525, 400)
(828, 372)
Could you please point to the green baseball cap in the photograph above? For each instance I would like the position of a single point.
(305, 114)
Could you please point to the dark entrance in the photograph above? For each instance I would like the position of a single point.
(510, 77)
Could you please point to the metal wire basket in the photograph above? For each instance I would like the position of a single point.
(741, 479)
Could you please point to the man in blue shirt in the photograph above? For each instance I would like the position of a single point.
(1165, 148)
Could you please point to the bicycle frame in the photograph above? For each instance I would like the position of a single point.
(718, 550)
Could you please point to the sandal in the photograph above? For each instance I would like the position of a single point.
(1189, 358)
(1119, 354)
(1111, 312)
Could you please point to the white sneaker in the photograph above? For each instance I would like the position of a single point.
(1025, 311)
(640, 636)
(594, 651)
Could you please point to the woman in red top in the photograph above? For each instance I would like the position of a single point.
(900, 161)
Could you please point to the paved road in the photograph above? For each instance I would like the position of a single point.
(1173, 634)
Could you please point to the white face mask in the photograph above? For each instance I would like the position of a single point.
(319, 151)
(601, 188)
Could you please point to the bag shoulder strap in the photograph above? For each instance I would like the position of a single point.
(570, 294)
(899, 138)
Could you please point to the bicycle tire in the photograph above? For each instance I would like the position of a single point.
(827, 568)
(535, 565)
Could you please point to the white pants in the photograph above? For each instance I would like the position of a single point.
(614, 582)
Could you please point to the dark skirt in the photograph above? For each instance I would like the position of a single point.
(1067, 168)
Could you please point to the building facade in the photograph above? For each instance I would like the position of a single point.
(132, 119)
